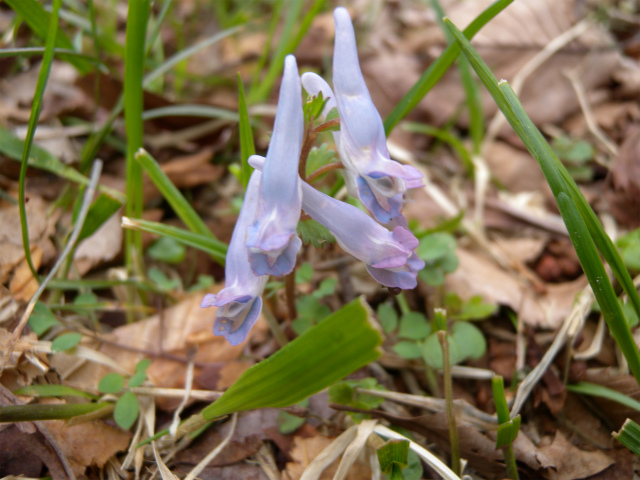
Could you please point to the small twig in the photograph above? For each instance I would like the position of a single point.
(327, 125)
(324, 169)
(309, 139)
(290, 294)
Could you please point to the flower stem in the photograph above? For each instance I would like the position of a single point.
(448, 395)
(274, 326)
(290, 291)
(324, 169)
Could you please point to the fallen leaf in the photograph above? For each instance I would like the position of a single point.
(24, 285)
(570, 463)
(88, 444)
(625, 198)
(514, 168)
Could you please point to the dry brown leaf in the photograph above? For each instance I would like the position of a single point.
(514, 168)
(571, 463)
(625, 199)
(23, 284)
(41, 225)
(88, 444)
(477, 275)
(103, 246)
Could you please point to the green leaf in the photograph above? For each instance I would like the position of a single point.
(629, 436)
(469, 339)
(414, 326)
(408, 350)
(140, 376)
(42, 319)
(288, 423)
(126, 411)
(102, 209)
(111, 383)
(143, 365)
(66, 341)
(167, 250)
(310, 307)
(388, 317)
(46, 390)
(629, 246)
(472, 309)
(301, 325)
(336, 347)
(311, 232)
(326, 287)
(304, 273)
(86, 298)
(313, 107)
(432, 351)
(319, 157)
(345, 393)
(247, 146)
(393, 456)
(437, 250)
(163, 282)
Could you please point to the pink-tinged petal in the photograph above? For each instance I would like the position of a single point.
(239, 303)
(272, 240)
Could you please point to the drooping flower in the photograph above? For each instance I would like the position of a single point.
(239, 303)
(389, 255)
(272, 240)
(370, 173)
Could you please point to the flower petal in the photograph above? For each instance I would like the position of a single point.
(272, 240)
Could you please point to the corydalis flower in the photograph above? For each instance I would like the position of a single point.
(389, 255)
(239, 303)
(272, 241)
(370, 173)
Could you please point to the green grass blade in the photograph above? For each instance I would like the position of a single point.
(36, 108)
(438, 68)
(53, 391)
(629, 436)
(180, 205)
(33, 413)
(596, 390)
(445, 136)
(186, 110)
(39, 21)
(13, 147)
(215, 248)
(577, 213)
(137, 20)
(247, 147)
(336, 347)
(602, 288)
(260, 90)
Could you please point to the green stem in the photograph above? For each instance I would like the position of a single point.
(510, 461)
(274, 326)
(448, 395)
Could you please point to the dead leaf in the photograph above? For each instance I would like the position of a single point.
(103, 246)
(88, 444)
(477, 275)
(625, 199)
(514, 168)
(570, 463)
(24, 285)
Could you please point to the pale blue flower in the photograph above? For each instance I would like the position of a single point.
(272, 241)
(389, 255)
(370, 173)
(239, 303)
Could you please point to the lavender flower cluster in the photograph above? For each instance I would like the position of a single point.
(265, 242)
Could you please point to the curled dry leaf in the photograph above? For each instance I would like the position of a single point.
(570, 462)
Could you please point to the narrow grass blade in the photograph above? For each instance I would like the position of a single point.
(438, 68)
(12, 147)
(595, 390)
(33, 413)
(629, 436)
(33, 11)
(286, 44)
(53, 391)
(212, 246)
(336, 347)
(39, 21)
(445, 136)
(180, 205)
(247, 147)
(137, 20)
(186, 110)
(583, 225)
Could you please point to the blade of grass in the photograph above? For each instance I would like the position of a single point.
(13, 147)
(36, 107)
(137, 20)
(39, 21)
(260, 91)
(577, 211)
(212, 246)
(595, 390)
(53, 391)
(445, 136)
(180, 205)
(438, 68)
(186, 110)
(247, 147)
(33, 413)
(276, 10)
(629, 436)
